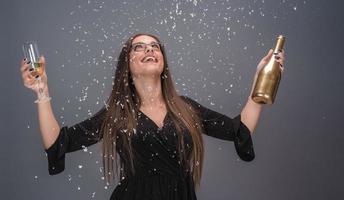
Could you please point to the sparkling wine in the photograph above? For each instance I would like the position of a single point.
(37, 70)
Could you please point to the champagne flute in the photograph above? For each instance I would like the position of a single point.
(31, 53)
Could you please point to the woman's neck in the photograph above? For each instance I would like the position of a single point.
(149, 90)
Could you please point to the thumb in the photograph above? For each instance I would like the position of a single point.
(42, 60)
(268, 56)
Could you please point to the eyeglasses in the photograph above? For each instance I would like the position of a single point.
(140, 46)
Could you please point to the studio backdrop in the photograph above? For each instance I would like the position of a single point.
(213, 48)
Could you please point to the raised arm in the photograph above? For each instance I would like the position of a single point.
(251, 111)
(59, 141)
(226, 128)
(47, 121)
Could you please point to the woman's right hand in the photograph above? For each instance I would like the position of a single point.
(30, 81)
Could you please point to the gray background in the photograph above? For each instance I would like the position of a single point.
(213, 49)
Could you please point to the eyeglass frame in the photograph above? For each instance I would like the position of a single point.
(132, 47)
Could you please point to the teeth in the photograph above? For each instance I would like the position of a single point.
(149, 58)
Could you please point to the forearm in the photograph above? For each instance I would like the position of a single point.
(251, 112)
(47, 123)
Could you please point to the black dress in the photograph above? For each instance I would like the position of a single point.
(159, 174)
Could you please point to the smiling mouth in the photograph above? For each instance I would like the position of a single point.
(147, 59)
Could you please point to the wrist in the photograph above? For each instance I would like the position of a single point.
(251, 102)
(45, 91)
(42, 95)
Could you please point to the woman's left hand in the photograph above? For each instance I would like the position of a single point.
(279, 57)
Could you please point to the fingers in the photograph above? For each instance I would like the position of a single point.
(280, 58)
(29, 82)
(27, 77)
(26, 73)
(23, 61)
(24, 65)
(268, 56)
(25, 68)
(42, 60)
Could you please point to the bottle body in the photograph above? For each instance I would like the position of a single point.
(268, 79)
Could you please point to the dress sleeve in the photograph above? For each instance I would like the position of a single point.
(72, 139)
(223, 127)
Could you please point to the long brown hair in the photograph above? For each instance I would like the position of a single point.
(121, 119)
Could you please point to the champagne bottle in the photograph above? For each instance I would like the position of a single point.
(266, 85)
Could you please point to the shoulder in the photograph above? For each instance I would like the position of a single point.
(187, 99)
(191, 101)
(100, 115)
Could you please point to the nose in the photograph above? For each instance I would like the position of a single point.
(149, 48)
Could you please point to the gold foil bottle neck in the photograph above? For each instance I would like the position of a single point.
(279, 43)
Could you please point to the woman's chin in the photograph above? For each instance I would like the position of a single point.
(151, 69)
(149, 73)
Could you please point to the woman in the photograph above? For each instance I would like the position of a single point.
(156, 133)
